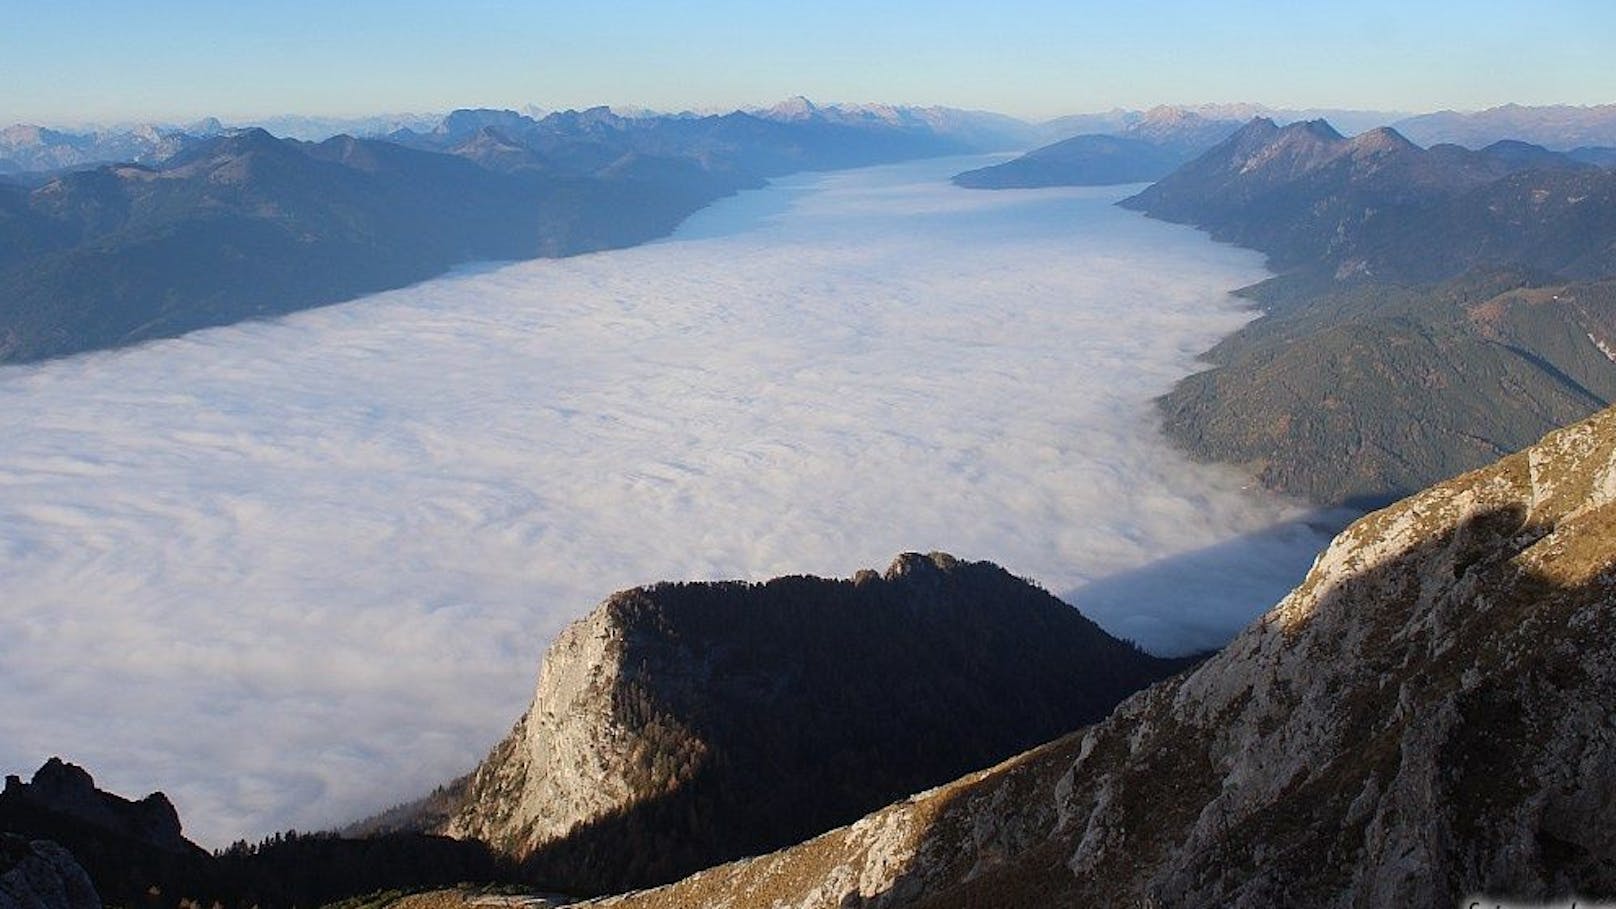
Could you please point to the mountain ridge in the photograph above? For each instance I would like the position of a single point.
(1147, 149)
(242, 225)
(1366, 376)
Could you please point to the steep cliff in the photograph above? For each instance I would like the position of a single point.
(1430, 716)
(685, 724)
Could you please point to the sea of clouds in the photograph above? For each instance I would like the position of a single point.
(291, 572)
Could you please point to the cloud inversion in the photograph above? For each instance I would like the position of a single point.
(293, 571)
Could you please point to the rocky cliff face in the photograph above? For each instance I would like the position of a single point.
(1430, 716)
(39, 874)
(682, 725)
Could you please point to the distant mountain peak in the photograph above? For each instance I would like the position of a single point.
(1167, 113)
(1319, 129)
(793, 108)
(1382, 139)
(1257, 128)
(469, 120)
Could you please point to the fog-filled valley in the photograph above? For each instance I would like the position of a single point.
(293, 571)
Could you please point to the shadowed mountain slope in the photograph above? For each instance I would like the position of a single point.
(248, 226)
(244, 225)
(685, 724)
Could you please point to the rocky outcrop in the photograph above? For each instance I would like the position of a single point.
(685, 724)
(68, 790)
(1429, 717)
(69, 838)
(39, 874)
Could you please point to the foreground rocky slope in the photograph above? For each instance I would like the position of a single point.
(1431, 715)
(685, 724)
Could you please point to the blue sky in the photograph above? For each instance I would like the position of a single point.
(81, 60)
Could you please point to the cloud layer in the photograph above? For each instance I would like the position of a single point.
(293, 571)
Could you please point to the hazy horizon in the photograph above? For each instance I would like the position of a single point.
(423, 117)
(175, 60)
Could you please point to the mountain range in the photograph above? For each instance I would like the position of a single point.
(25, 148)
(244, 225)
(92, 258)
(1378, 206)
(1426, 720)
(1562, 127)
(247, 226)
(1133, 147)
(1435, 308)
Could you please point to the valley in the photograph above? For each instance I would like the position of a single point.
(308, 564)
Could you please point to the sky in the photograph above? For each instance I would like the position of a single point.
(76, 61)
(292, 572)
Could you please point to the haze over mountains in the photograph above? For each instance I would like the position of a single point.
(245, 225)
(89, 260)
(1145, 150)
